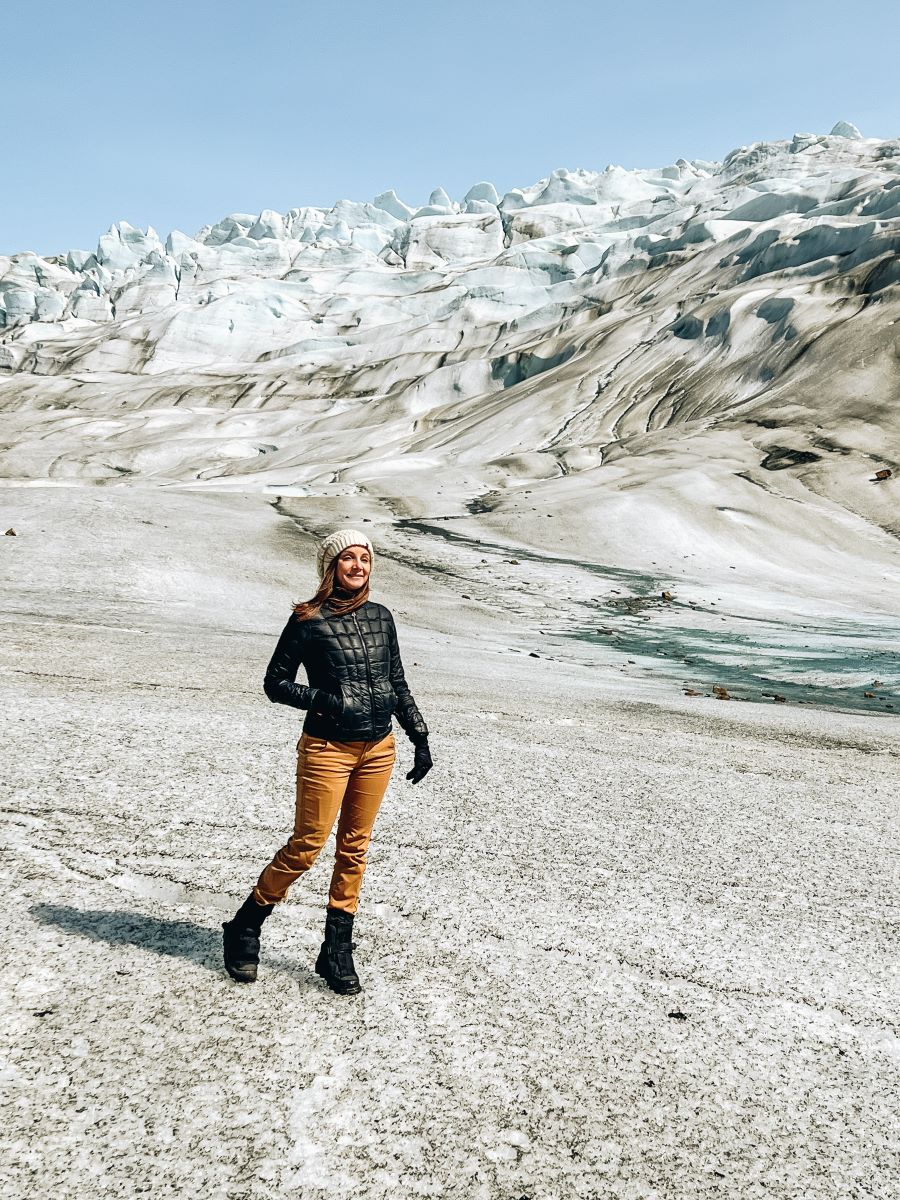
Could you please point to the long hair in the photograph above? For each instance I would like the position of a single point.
(328, 593)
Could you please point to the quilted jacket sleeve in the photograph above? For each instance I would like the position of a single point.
(281, 672)
(407, 712)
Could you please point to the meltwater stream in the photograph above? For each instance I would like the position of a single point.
(850, 664)
(844, 664)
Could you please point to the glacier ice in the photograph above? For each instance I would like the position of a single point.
(845, 129)
(685, 319)
(390, 203)
(482, 192)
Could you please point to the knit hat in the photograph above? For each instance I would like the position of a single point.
(332, 546)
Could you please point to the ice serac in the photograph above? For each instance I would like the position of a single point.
(390, 203)
(482, 192)
(682, 352)
(845, 129)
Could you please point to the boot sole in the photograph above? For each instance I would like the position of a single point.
(340, 988)
(234, 972)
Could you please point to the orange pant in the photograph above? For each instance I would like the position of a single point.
(348, 776)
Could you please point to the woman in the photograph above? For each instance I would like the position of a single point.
(345, 755)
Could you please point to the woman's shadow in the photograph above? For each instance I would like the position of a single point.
(179, 939)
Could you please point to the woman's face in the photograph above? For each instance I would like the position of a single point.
(353, 567)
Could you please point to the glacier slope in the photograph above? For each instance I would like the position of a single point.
(694, 366)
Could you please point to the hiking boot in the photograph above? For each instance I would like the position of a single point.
(335, 961)
(240, 940)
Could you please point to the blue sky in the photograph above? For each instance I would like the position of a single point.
(174, 114)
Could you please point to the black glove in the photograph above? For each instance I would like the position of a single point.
(326, 704)
(422, 763)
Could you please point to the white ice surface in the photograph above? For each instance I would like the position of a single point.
(589, 857)
(696, 360)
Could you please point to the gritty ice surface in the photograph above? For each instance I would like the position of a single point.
(618, 943)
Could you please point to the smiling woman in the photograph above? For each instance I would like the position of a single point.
(345, 755)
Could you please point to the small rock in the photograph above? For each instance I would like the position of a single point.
(11, 532)
(690, 692)
(667, 596)
(884, 473)
(869, 695)
(677, 1015)
(465, 597)
(720, 692)
(533, 654)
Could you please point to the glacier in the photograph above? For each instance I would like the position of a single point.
(685, 373)
(626, 445)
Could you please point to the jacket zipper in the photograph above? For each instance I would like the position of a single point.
(368, 675)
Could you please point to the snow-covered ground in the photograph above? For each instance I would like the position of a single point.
(619, 943)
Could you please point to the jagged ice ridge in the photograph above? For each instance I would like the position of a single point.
(649, 347)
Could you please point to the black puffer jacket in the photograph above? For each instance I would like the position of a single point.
(355, 658)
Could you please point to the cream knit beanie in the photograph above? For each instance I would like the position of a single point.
(338, 541)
